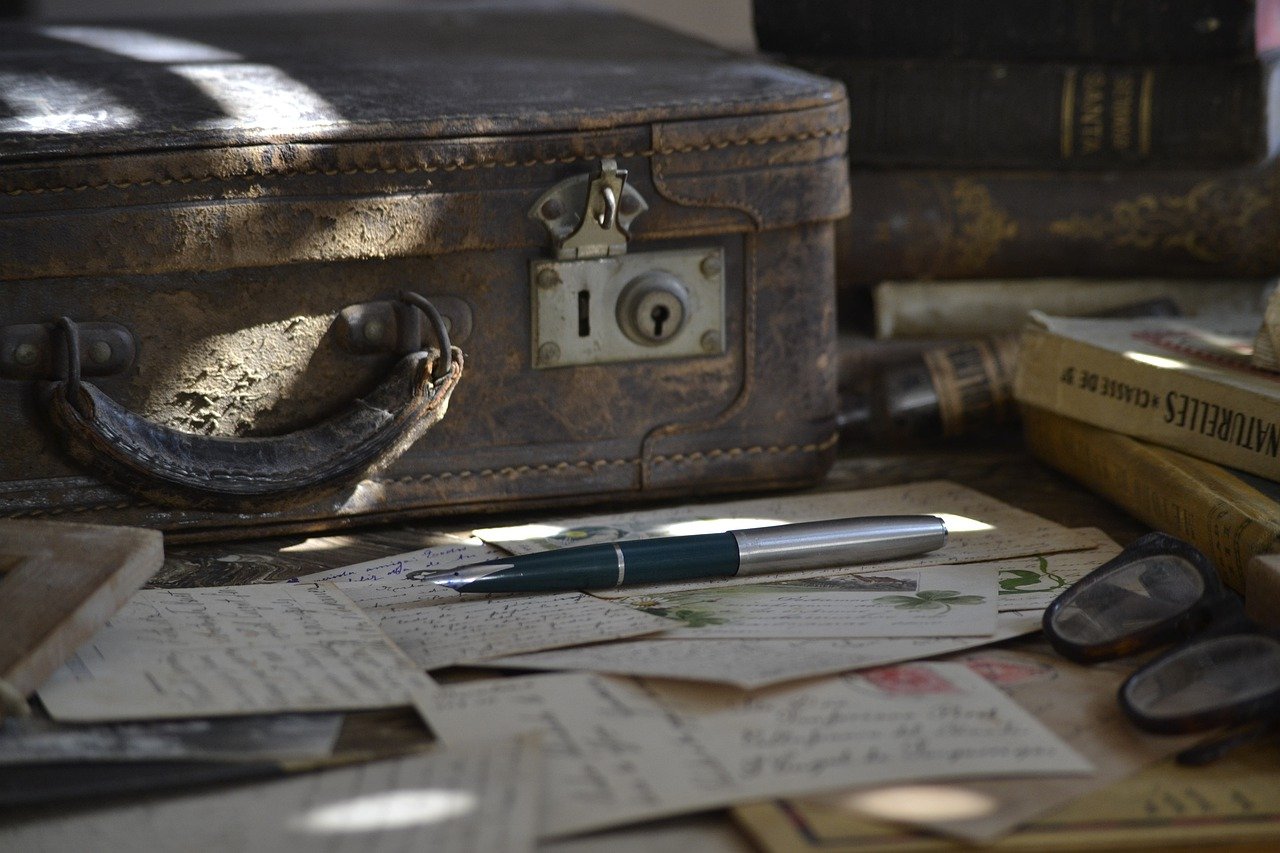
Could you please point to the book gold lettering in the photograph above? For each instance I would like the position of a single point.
(1093, 112)
(1123, 98)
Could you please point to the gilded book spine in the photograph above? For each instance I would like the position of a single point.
(1192, 413)
(1198, 501)
(912, 113)
(953, 224)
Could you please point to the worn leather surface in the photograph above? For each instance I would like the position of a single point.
(228, 245)
(477, 70)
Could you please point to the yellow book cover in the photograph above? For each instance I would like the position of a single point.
(1172, 382)
(1229, 515)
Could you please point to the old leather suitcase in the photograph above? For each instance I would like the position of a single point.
(231, 248)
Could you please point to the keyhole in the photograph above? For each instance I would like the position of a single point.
(584, 313)
(659, 315)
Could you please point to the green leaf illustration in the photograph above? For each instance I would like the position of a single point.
(1021, 581)
(930, 599)
(902, 600)
(695, 618)
(1015, 579)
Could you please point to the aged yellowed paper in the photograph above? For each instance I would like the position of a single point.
(438, 627)
(982, 811)
(233, 650)
(620, 751)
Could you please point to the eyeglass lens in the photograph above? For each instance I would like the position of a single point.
(1212, 674)
(1127, 599)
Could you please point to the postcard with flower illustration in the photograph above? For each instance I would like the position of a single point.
(951, 601)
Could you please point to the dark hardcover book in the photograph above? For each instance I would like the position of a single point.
(1107, 30)
(1054, 115)
(916, 224)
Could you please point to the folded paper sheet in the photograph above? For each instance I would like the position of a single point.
(234, 650)
(464, 629)
(620, 751)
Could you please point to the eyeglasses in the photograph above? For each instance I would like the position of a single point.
(1160, 590)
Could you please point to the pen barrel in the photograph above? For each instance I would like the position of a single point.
(706, 555)
(613, 564)
(829, 544)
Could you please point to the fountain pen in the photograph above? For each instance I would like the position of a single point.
(808, 545)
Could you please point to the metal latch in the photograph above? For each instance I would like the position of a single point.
(594, 303)
(588, 216)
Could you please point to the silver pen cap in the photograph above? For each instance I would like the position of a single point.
(841, 542)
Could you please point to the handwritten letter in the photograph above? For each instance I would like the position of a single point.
(235, 650)
(618, 751)
(439, 627)
(463, 630)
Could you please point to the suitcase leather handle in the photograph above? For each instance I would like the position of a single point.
(183, 469)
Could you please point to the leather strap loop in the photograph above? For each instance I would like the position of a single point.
(71, 352)
(437, 323)
(182, 469)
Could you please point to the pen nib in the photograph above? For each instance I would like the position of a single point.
(459, 578)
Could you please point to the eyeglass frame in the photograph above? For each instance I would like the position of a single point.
(1217, 613)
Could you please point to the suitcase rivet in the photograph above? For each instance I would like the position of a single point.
(548, 278)
(711, 265)
(26, 354)
(548, 353)
(552, 209)
(100, 352)
(711, 342)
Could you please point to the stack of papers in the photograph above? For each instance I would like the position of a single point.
(637, 702)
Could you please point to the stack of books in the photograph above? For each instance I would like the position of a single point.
(1170, 419)
(1063, 138)
(1073, 157)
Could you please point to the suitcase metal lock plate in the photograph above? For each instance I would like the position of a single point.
(594, 302)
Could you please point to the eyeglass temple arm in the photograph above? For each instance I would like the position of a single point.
(1211, 750)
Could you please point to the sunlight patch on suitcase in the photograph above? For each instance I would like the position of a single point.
(39, 103)
(227, 383)
(258, 96)
(140, 44)
(250, 94)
